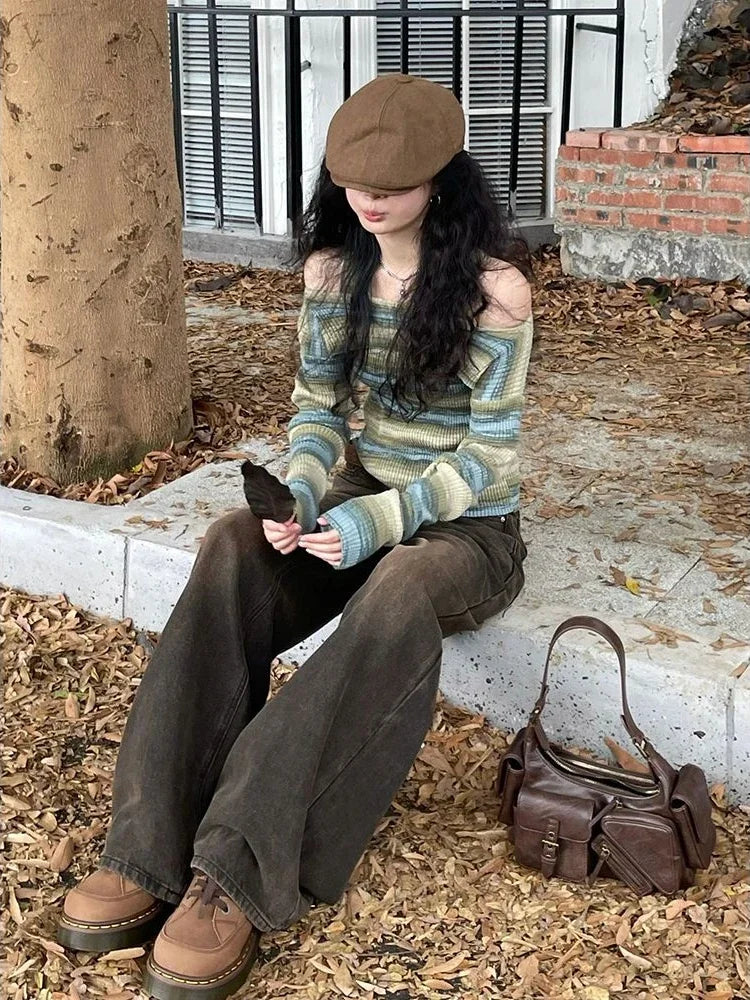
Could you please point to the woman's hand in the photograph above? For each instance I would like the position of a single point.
(326, 545)
(283, 536)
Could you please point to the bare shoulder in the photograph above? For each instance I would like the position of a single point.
(508, 293)
(322, 271)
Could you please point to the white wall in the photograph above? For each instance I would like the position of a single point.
(673, 18)
(652, 33)
(322, 45)
(272, 119)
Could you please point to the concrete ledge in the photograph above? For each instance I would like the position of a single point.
(615, 255)
(682, 703)
(133, 561)
(738, 747)
(51, 546)
(236, 246)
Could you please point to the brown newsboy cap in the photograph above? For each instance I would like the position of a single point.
(394, 133)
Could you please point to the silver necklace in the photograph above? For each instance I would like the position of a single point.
(402, 280)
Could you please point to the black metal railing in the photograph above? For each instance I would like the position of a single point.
(293, 69)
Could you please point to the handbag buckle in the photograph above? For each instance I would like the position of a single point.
(550, 848)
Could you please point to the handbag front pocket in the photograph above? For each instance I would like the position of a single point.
(616, 863)
(650, 843)
(551, 832)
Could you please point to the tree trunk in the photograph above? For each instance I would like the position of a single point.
(94, 369)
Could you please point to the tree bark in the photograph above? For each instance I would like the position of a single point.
(94, 369)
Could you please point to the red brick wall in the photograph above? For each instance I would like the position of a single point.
(627, 179)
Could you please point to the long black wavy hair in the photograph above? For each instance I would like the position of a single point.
(437, 320)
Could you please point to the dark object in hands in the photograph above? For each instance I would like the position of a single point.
(267, 496)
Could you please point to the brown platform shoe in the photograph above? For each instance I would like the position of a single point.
(205, 950)
(107, 911)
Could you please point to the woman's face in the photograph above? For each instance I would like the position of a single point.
(404, 210)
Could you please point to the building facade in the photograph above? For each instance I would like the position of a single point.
(254, 48)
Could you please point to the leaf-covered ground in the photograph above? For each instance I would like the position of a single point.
(436, 906)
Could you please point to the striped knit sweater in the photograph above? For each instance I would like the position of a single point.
(457, 459)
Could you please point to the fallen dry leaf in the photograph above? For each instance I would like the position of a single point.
(623, 933)
(13, 908)
(625, 759)
(637, 960)
(48, 821)
(675, 908)
(72, 709)
(728, 642)
(528, 968)
(593, 993)
(52, 946)
(444, 968)
(62, 855)
(122, 954)
(632, 585)
(722, 991)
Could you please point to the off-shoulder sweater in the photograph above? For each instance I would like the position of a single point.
(459, 458)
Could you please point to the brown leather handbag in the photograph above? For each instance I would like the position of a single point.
(579, 819)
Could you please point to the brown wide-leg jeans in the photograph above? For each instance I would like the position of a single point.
(276, 798)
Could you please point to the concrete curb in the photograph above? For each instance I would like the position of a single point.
(132, 561)
(238, 246)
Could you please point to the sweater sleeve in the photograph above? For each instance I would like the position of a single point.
(495, 371)
(318, 431)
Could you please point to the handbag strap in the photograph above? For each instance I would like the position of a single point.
(604, 630)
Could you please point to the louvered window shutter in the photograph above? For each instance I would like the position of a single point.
(487, 55)
(233, 36)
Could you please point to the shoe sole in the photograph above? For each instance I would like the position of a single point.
(80, 936)
(162, 984)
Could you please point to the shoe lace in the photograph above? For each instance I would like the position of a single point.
(208, 894)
